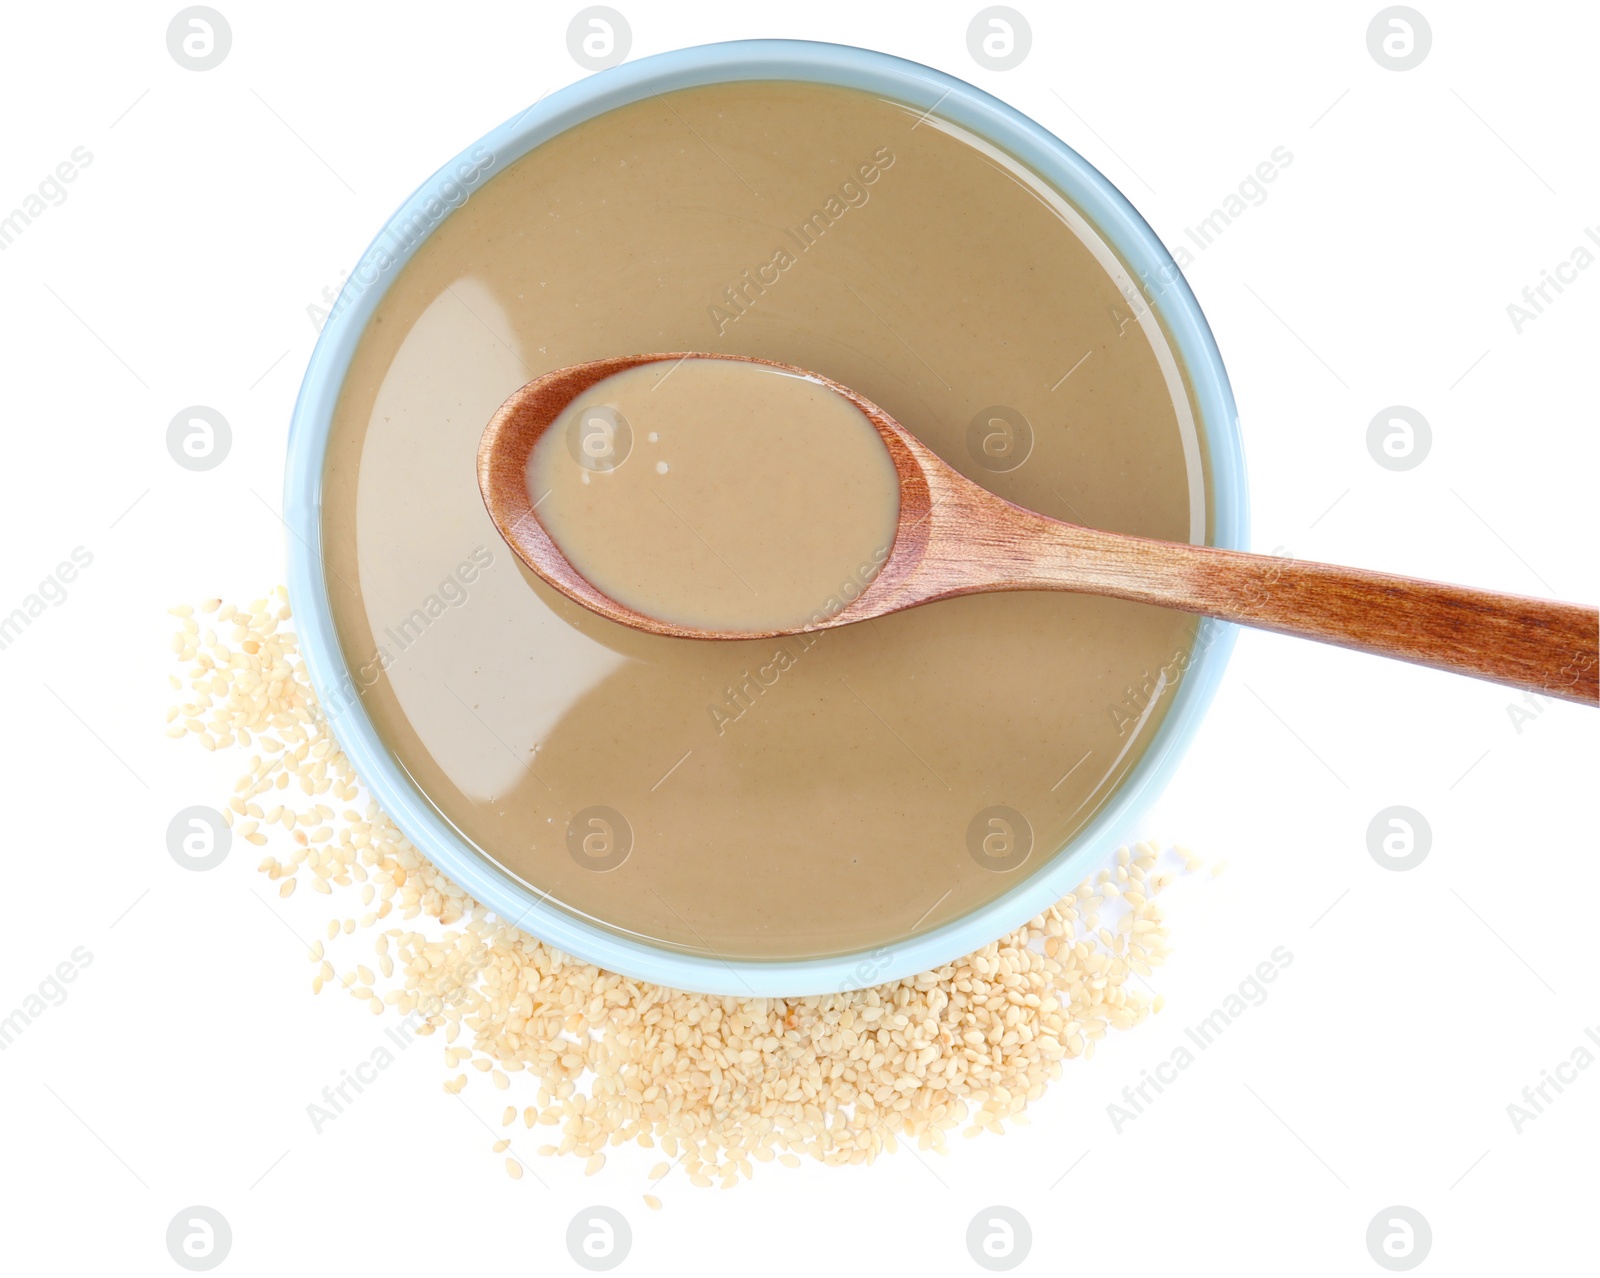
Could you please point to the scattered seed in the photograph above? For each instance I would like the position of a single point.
(723, 1082)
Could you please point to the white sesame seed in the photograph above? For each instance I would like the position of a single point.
(837, 1077)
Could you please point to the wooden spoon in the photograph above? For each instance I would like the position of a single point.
(957, 538)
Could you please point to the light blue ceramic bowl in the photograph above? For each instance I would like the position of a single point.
(919, 87)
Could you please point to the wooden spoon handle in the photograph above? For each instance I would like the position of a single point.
(1538, 644)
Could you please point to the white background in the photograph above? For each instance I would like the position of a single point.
(1419, 204)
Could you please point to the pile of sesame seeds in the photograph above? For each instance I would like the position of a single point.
(716, 1084)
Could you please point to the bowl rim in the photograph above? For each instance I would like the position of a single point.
(1165, 290)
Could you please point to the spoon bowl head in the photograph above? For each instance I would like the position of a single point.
(516, 428)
